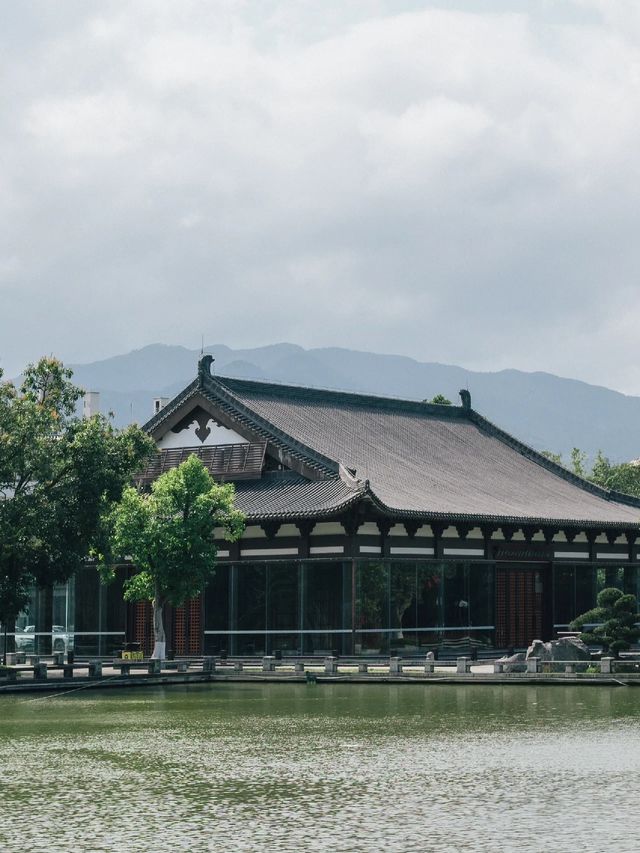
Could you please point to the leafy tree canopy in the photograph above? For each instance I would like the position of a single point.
(169, 535)
(612, 623)
(59, 473)
(440, 400)
(622, 477)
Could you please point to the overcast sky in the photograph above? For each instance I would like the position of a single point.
(454, 181)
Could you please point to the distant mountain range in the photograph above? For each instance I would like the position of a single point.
(546, 411)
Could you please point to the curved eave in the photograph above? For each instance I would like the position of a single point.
(300, 515)
(473, 518)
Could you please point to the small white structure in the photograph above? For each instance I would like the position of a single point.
(91, 404)
(159, 403)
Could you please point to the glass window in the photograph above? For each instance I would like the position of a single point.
(87, 594)
(372, 595)
(402, 596)
(456, 597)
(429, 595)
(216, 600)
(115, 606)
(481, 585)
(563, 582)
(323, 596)
(583, 588)
(631, 580)
(283, 597)
(252, 597)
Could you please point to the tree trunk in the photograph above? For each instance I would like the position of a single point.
(160, 640)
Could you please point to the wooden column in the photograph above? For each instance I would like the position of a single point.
(305, 529)
(384, 526)
(438, 528)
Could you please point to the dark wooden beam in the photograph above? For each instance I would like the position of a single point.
(271, 528)
(412, 528)
(592, 535)
(631, 536)
(384, 526)
(305, 529)
(463, 529)
(438, 528)
(509, 530)
(487, 532)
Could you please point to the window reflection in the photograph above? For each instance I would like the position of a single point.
(576, 587)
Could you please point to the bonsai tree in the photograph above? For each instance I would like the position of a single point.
(169, 535)
(614, 621)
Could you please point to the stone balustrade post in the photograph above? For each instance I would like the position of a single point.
(606, 666)
(95, 669)
(395, 666)
(363, 667)
(463, 666)
(498, 667)
(154, 667)
(330, 665)
(40, 671)
(208, 664)
(533, 665)
(298, 667)
(268, 663)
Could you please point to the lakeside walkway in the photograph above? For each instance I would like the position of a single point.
(49, 674)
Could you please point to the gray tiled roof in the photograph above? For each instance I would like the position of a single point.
(423, 459)
(289, 494)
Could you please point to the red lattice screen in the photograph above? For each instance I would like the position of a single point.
(143, 626)
(187, 628)
(518, 607)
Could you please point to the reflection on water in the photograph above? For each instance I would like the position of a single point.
(319, 767)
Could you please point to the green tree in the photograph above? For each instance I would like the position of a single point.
(612, 623)
(624, 477)
(440, 400)
(169, 535)
(578, 462)
(59, 474)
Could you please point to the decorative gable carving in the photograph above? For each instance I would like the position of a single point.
(198, 428)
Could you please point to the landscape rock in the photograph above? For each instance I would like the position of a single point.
(514, 663)
(565, 649)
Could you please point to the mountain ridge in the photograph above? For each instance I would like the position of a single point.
(543, 410)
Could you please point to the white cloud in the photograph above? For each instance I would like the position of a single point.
(452, 184)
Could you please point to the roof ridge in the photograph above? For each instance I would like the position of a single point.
(222, 394)
(332, 394)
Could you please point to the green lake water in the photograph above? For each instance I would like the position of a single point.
(322, 768)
